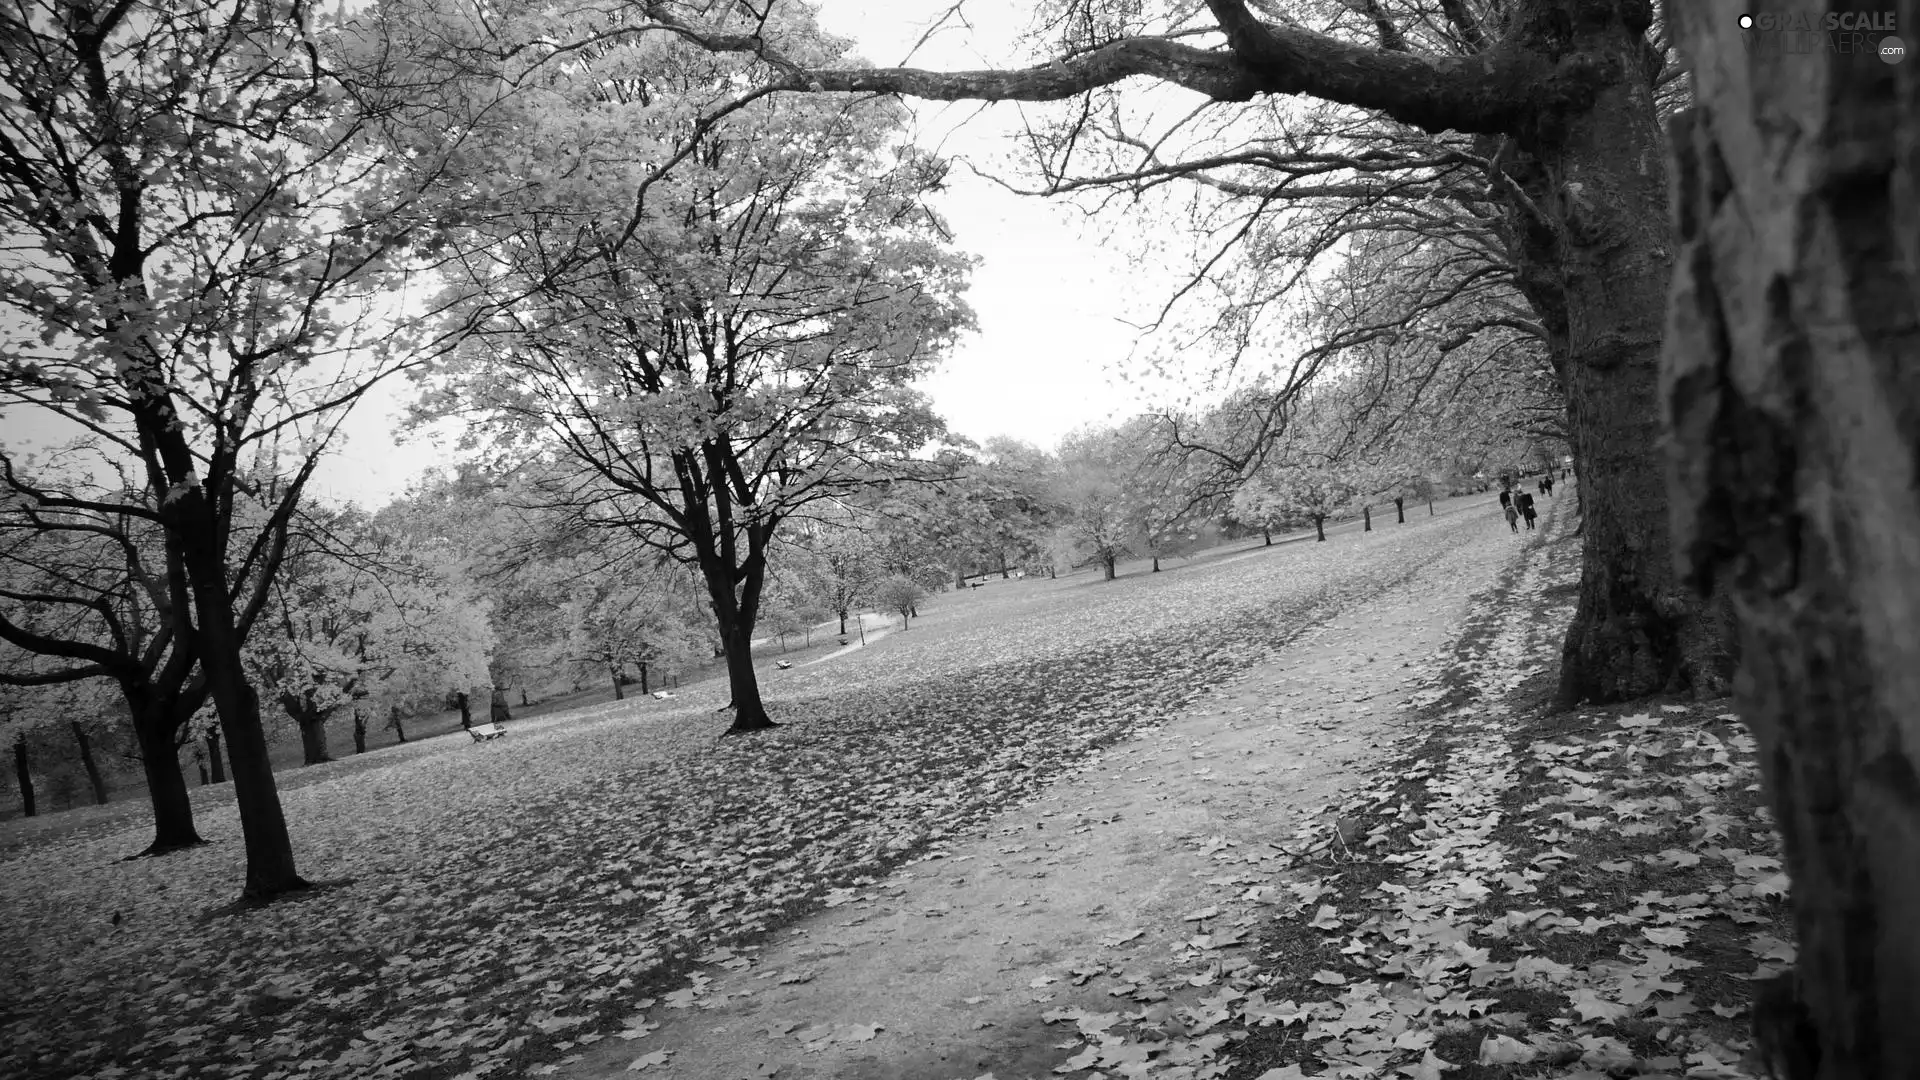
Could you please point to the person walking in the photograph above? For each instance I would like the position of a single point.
(1525, 505)
(1513, 516)
(1506, 499)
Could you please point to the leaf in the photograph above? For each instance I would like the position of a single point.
(1329, 978)
(1498, 1049)
(1327, 918)
(858, 1033)
(649, 1061)
(1429, 1067)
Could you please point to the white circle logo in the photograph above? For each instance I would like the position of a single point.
(1892, 49)
(1746, 22)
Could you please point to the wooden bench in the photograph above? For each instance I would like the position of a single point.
(486, 732)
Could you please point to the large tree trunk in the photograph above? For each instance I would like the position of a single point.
(94, 780)
(749, 712)
(1106, 564)
(313, 740)
(1794, 403)
(498, 710)
(153, 729)
(24, 776)
(1595, 270)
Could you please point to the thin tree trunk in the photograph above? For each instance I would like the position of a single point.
(1793, 401)
(843, 622)
(1400, 508)
(613, 674)
(1267, 532)
(1366, 519)
(465, 705)
(1156, 564)
(215, 759)
(1320, 528)
(25, 776)
(523, 698)
(94, 780)
(393, 718)
(1429, 507)
(643, 677)
(359, 732)
(263, 825)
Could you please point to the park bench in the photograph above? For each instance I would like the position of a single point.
(486, 732)
(783, 664)
(975, 584)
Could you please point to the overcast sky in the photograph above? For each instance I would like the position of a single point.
(1053, 293)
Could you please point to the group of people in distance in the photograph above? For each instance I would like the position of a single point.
(1519, 504)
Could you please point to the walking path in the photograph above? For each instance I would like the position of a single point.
(945, 968)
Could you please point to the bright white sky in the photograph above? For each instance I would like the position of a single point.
(1053, 293)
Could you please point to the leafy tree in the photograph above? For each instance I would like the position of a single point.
(197, 262)
(743, 350)
(1099, 525)
(1556, 105)
(901, 594)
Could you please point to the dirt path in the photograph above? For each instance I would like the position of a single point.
(943, 970)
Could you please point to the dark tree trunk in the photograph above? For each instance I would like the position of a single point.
(1400, 508)
(843, 622)
(1006, 574)
(465, 705)
(24, 776)
(619, 693)
(393, 718)
(263, 825)
(643, 678)
(1793, 400)
(1320, 528)
(313, 739)
(523, 696)
(215, 759)
(1429, 507)
(497, 709)
(94, 780)
(359, 732)
(1592, 255)
(1366, 519)
(1106, 564)
(1267, 532)
(153, 730)
(1156, 564)
(749, 712)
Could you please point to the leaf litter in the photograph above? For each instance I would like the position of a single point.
(500, 910)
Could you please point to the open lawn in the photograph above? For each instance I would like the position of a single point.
(614, 889)
(486, 902)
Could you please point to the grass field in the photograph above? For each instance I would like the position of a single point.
(487, 903)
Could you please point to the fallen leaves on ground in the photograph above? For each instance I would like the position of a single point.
(503, 905)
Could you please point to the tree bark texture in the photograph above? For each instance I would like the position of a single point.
(1591, 250)
(24, 776)
(95, 781)
(1792, 378)
(155, 724)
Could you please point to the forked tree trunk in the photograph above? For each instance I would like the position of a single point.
(1793, 395)
(94, 780)
(24, 776)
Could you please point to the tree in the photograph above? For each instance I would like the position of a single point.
(1558, 101)
(1794, 407)
(204, 261)
(744, 350)
(840, 567)
(901, 594)
(1098, 521)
